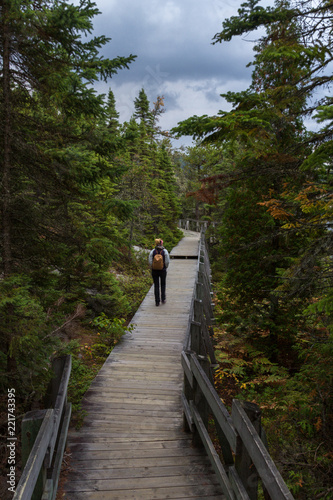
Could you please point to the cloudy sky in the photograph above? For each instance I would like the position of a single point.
(175, 56)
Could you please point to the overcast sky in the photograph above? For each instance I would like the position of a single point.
(175, 56)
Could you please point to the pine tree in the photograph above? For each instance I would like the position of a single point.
(52, 167)
(142, 111)
(46, 62)
(112, 115)
(150, 177)
(266, 133)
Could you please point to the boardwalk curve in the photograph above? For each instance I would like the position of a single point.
(132, 445)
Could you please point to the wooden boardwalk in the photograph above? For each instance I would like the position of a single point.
(132, 445)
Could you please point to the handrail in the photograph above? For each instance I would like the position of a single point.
(193, 224)
(41, 472)
(244, 455)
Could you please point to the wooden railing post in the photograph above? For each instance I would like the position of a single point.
(187, 394)
(53, 386)
(243, 462)
(199, 290)
(30, 427)
(187, 391)
(44, 434)
(197, 344)
(195, 336)
(200, 400)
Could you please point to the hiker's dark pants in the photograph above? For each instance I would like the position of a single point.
(157, 277)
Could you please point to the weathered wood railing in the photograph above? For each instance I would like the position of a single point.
(192, 224)
(245, 457)
(44, 434)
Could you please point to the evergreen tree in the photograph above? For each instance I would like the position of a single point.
(150, 178)
(46, 62)
(301, 207)
(266, 127)
(274, 245)
(112, 115)
(52, 167)
(142, 111)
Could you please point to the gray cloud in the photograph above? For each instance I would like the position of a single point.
(175, 56)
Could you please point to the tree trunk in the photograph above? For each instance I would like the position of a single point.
(6, 194)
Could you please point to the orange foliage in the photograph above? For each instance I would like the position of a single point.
(276, 209)
(211, 187)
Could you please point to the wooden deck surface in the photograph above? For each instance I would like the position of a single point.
(132, 445)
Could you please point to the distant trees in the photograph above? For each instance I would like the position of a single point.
(150, 177)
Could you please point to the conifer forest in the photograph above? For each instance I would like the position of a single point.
(83, 196)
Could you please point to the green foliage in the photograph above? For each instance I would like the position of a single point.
(272, 245)
(250, 17)
(296, 403)
(136, 288)
(81, 377)
(25, 340)
(70, 203)
(142, 112)
(109, 333)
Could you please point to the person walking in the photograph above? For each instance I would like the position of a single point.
(159, 262)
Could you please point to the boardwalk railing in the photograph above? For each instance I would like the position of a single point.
(245, 457)
(193, 225)
(44, 434)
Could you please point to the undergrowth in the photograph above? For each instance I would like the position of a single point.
(296, 399)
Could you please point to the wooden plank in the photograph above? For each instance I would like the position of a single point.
(143, 472)
(146, 399)
(187, 413)
(154, 387)
(102, 411)
(115, 445)
(49, 490)
(59, 406)
(86, 436)
(136, 483)
(187, 368)
(137, 453)
(160, 387)
(134, 422)
(175, 407)
(243, 462)
(268, 472)
(237, 485)
(137, 370)
(131, 415)
(148, 362)
(140, 426)
(145, 375)
(133, 463)
(30, 427)
(197, 492)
